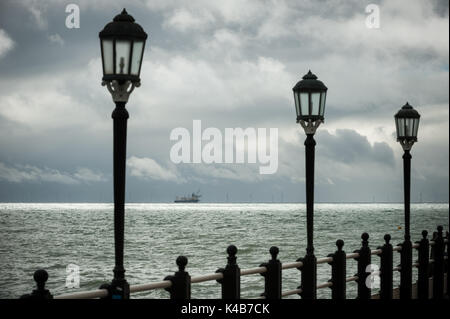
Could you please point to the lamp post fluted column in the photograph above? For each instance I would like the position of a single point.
(309, 271)
(120, 117)
(309, 96)
(407, 190)
(406, 253)
(310, 146)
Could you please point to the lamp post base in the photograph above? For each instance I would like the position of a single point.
(120, 289)
(309, 277)
(117, 289)
(406, 270)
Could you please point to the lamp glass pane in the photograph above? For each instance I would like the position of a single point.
(315, 100)
(108, 64)
(122, 56)
(136, 59)
(401, 127)
(416, 127)
(297, 103)
(409, 127)
(322, 103)
(304, 103)
(397, 127)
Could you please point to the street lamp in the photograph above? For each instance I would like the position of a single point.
(310, 96)
(122, 44)
(407, 125)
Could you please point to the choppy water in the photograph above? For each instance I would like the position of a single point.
(51, 236)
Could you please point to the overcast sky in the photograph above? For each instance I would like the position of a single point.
(229, 64)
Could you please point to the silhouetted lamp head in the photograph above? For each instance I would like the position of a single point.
(122, 44)
(407, 125)
(310, 97)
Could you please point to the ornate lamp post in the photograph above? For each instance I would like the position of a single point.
(309, 95)
(407, 125)
(122, 44)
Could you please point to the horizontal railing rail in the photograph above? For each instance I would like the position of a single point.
(432, 264)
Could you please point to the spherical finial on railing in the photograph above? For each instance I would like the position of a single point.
(387, 238)
(339, 244)
(232, 250)
(424, 234)
(274, 252)
(181, 262)
(365, 238)
(41, 277)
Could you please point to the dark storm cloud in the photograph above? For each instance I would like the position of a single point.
(350, 147)
(229, 64)
(441, 7)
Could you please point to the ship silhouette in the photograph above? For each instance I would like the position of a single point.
(194, 198)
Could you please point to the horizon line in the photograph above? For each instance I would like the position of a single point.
(171, 202)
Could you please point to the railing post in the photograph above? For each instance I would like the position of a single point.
(272, 277)
(438, 271)
(181, 281)
(423, 260)
(40, 276)
(231, 281)
(447, 264)
(364, 260)
(386, 275)
(338, 272)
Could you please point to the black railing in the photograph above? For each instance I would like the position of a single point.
(432, 265)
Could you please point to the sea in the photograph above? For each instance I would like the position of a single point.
(53, 236)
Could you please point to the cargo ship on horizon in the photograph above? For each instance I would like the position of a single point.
(194, 198)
